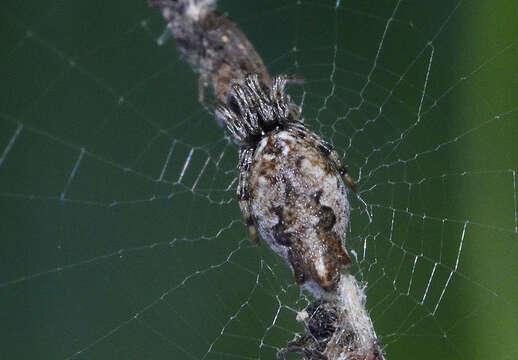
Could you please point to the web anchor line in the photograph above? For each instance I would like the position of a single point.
(338, 326)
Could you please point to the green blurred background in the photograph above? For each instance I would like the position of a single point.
(120, 234)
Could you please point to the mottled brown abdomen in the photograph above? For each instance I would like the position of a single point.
(299, 205)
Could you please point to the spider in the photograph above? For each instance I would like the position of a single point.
(291, 189)
(291, 182)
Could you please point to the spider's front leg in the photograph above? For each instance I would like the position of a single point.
(243, 195)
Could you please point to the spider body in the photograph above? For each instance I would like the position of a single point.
(290, 188)
(299, 204)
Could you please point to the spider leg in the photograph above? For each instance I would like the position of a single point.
(243, 194)
(295, 79)
(342, 169)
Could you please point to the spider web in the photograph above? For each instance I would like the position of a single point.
(121, 235)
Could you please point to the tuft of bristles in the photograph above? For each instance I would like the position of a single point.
(252, 110)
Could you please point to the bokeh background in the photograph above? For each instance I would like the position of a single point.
(120, 237)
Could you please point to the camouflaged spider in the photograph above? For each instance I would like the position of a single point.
(290, 188)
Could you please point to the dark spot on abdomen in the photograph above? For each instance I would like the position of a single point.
(289, 190)
(299, 161)
(327, 218)
(318, 195)
(336, 255)
(279, 230)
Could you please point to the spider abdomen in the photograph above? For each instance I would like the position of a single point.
(299, 205)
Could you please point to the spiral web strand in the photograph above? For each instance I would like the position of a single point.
(121, 233)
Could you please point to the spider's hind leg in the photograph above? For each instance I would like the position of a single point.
(243, 194)
(342, 169)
